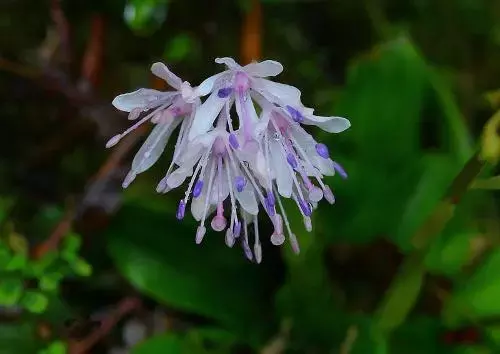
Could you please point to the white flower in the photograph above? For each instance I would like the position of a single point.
(248, 161)
(165, 109)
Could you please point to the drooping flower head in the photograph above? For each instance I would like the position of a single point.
(241, 164)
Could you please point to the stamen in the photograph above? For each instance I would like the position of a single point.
(181, 210)
(129, 178)
(337, 167)
(233, 141)
(224, 92)
(296, 115)
(198, 187)
(291, 237)
(308, 223)
(322, 150)
(257, 248)
(240, 182)
(328, 195)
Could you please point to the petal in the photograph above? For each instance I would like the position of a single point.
(208, 84)
(140, 99)
(154, 146)
(206, 115)
(220, 189)
(264, 68)
(247, 114)
(281, 170)
(229, 62)
(247, 200)
(329, 124)
(276, 92)
(178, 177)
(162, 71)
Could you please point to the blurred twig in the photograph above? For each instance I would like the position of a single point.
(251, 36)
(125, 306)
(63, 29)
(52, 242)
(347, 345)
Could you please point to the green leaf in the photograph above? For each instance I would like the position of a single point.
(179, 48)
(18, 338)
(50, 282)
(477, 297)
(402, 295)
(57, 347)
(18, 262)
(34, 301)
(72, 242)
(145, 16)
(160, 344)
(11, 290)
(383, 99)
(438, 172)
(40, 266)
(81, 267)
(158, 255)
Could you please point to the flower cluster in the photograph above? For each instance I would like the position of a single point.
(239, 161)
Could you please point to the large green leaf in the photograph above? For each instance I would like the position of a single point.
(437, 173)
(383, 99)
(161, 344)
(158, 255)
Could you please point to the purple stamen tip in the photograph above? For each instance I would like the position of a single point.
(339, 169)
(198, 187)
(237, 229)
(224, 92)
(181, 210)
(322, 151)
(240, 183)
(270, 198)
(233, 141)
(292, 161)
(296, 115)
(305, 207)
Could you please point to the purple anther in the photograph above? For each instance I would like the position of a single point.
(237, 229)
(240, 182)
(305, 207)
(292, 161)
(233, 141)
(198, 187)
(224, 92)
(270, 198)
(296, 115)
(181, 210)
(340, 170)
(322, 151)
